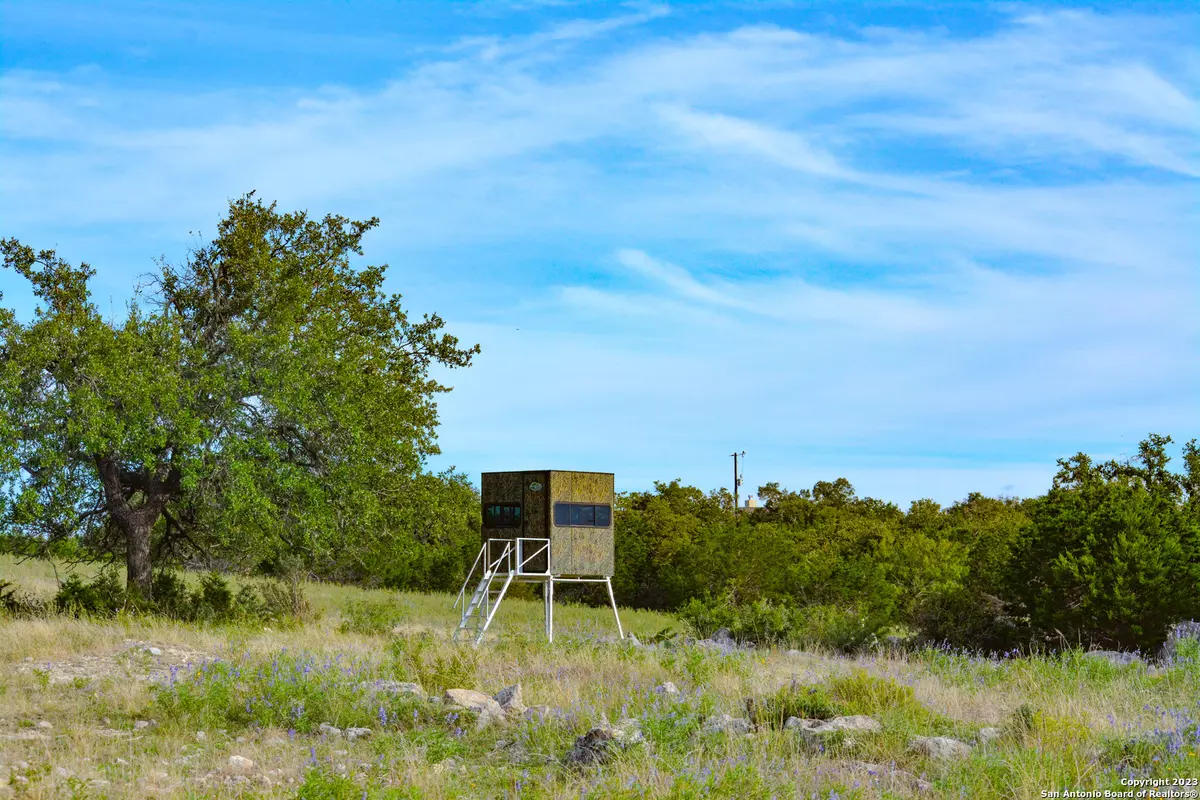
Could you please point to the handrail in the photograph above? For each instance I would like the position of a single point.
(492, 564)
(463, 591)
(522, 560)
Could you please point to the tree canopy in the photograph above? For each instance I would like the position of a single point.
(265, 394)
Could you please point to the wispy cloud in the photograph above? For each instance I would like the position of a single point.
(893, 241)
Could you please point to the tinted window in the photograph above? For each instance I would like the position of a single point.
(582, 515)
(502, 516)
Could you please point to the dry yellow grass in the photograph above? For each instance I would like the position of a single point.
(91, 682)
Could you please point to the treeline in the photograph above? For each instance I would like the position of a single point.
(1108, 557)
(266, 406)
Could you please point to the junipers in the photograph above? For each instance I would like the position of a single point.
(212, 600)
(1112, 553)
(1109, 557)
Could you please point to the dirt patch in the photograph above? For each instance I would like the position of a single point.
(137, 660)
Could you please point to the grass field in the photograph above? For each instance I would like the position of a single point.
(88, 710)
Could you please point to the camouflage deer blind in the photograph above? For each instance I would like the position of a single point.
(574, 510)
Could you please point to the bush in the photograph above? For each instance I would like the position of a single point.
(862, 693)
(284, 601)
(17, 604)
(794, 700)
(171, 595)
(765, 623)
(706, 616)
(372, 617)
(1110, 557)
(212, 601)
(103, 596)
(842, 629)
(215, 598)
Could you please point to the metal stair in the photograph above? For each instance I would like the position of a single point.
(480, 609)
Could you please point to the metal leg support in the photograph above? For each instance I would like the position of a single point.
(550, 609)
(613, 600)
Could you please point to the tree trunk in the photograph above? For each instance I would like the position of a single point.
(155, 490)
(137, 555)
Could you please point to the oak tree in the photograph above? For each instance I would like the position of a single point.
(265, 394)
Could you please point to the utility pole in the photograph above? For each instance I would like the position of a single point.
(737, 479)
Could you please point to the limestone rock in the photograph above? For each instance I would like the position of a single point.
(988, 735)
(820, 734)
(329, 730)
(667, 688)
(354, 734)
(600, 744)
(392, 687)
(939, 747)
(487, 709)
(726, 724)
(510, 699)
(471, 700)
(240, 764)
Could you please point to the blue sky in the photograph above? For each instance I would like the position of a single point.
(927, 247)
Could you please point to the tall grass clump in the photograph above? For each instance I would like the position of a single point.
(373, 617)
(417, 658)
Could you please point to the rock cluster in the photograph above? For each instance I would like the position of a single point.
(726, 724)
(820, 734)
(600, 744)
(506, 702)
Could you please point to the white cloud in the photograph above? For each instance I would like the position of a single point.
(761, 237)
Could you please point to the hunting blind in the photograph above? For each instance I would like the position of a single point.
(545, 526)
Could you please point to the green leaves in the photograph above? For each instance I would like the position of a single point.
(1110, 556)
(264, 393)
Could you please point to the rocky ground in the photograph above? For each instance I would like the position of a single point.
(145, 708)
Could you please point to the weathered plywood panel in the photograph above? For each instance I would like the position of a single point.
(581, 550)
(508, 488)
(535, 488)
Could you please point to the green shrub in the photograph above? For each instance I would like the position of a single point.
(215, 598)
(284, 601)
(841, 629)
(1115, 539)
(765, 623)
(103, 596)
(16, 603)
(171, 595)
(373, 617)
(863, 693)
(706, 616)
(794, 700)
